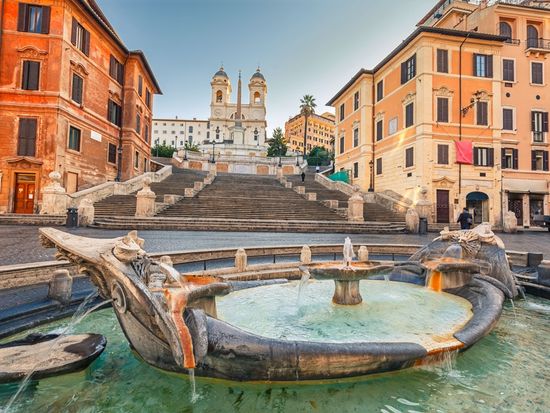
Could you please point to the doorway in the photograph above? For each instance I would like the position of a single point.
(478, 205)
(515, 204)
(25, 188)
(442, 206)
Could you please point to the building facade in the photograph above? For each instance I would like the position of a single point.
(73, 99)
(177, 132)
(456, 113)
(320, 132)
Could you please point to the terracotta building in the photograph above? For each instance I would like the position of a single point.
(320, 132)
(458, 112)
(73, 99)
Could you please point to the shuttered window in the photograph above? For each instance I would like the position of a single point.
(508, 119)
(482, 113)
(409, 115)
(484, 157)
(379, 130)
(31, 75)
(111, 157)
(443, 110)
(380, 91)
(483, 65)
(140, 85)
(77, 88)
(114, 114)
(379, 166)
(342, 112)
(537, 77)
(443, 154)
(342, 144)
(508, 70)
(539, 125)
(80, 37)
(146, 137)
(409, 157)
(26, 143)
(148, 98)
(442, 61)
(356, 170)
(509, 158)
(33, 19)
(116, 70)
(136, 160)
(356, 101)
(356, 137)
(539, 160)
(74, 139)
(408, 70)
(138, 123)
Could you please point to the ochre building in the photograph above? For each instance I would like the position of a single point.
(473, 76)
(320, 132)
(73, 99)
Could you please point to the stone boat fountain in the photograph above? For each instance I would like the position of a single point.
(171, 320)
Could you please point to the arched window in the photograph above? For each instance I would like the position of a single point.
(505, 30)
(532, 36)
(219, 96)
(257, 97)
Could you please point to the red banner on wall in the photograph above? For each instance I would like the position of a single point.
(464, 152)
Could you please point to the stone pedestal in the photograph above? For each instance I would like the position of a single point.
(197, 186)
(363, 254)
(61, 287)
(355, 206)
(412, 221)
(145, 201)
(288, 185)
(300, 190)
(241, 260)
(424, 207)
(311, 196)
(189, 193)
(54, 197)
(305, 255)
(86, 213)
(213, 169)
(510, 223)
(347, 293)
(280, 174)
(171, 199)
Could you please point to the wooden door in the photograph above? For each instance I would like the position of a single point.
(24, 194)
(443, 207)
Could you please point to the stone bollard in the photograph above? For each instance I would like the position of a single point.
(311, 196)
(305, 255)
(197, 186)
(145, 201)
(280, 174)
(412, 221)
(355, 206)
(363, 254)
(171, 199)
(189, 193)
(288, 185)
(61, 287)
(300, 190)
(54, 197)
(86, 212)
(241, 260)
(510, 223)
(213, 169)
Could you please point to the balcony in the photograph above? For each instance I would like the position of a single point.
(538, 46)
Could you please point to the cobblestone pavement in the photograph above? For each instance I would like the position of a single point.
(20, 244)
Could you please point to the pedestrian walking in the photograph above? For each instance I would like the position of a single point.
(303, 176)
(317, 169)
(465, 219)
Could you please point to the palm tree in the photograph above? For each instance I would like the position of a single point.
(307, 108)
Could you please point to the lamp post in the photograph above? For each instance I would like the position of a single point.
(256, 132)
(280, 162)
(214, 145)
(371, 165)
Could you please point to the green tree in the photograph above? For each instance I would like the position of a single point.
(319, 156)
(307, 108)
(277, 144)
(162, 151)
(191, 147)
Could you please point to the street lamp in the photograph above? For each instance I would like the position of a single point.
(256, 132)
(371, 165)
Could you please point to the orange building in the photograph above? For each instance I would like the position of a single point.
(320, 132)
(73, 99)
(470, 73)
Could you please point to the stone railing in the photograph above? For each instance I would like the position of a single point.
(99, 192)
(334, 185)
(391, 203)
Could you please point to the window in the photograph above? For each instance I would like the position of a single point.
(140, 85)
(148, 98)
(31, 75)
(380, 130)
(539, 160)
(136, 159)
(443, 154)
(483, 65)
(537, 77)
(356, 101)
(408, 70)
(190, 129)
(508, 70)
(539, 125)
(409, 115)
(409, 157)
(380, 91)
(33, 18)
(482, 113)
(442, 61)
(76, 88)
(392, 126)
(116, 70)
(146, 137)
(74, 139)
(115, 113)
(219, 96)
(356, 170)
(111, 155)
(379, 166)
(342, 112)
(443, 110)
(138, 123)
(484, 157)
(80, 37)
(504, 29)
(508, 119)
(509, 158)
(342, 144)
(26, 143)
(532, 37)
(356, 137)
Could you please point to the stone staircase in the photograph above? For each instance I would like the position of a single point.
(125, 205)
(371, 212)
(249, 197)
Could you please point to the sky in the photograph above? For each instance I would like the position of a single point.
(302, 46)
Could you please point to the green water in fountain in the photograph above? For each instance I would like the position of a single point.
(397, 312)
(506, 371)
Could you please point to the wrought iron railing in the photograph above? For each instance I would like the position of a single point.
(541, 44)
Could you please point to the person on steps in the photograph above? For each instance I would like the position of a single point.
(465, 219)
(303, 176)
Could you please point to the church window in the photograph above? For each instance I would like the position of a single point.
(219, 96)
(257, 98)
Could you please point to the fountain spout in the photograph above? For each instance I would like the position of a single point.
(349, 254)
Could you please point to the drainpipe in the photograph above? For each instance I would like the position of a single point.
(119, 150)
(1, 30)
(372, 184)
(460, 108)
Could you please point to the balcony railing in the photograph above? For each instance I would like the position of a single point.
(538, 44)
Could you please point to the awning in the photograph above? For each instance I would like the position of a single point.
(525, 186)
